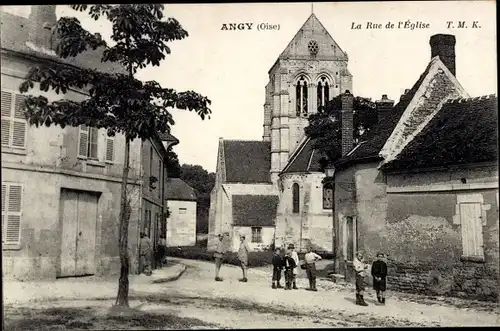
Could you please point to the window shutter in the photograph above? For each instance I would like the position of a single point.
(20, 124)
(83, 141)
(110, 149)
(12, 218)
(6, 112)
(4, 192)
(94, 136)
(19, 110)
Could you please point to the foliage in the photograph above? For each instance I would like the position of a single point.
(118, 102)
(203, 182)
(325, 126)
(172, 163)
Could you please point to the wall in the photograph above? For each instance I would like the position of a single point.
(181, 226)
(49, 163)
(267, 233)
(424, 205)
(313, 224)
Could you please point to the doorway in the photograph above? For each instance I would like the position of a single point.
(78, 233)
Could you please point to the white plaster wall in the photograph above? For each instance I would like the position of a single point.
(267, 238)
(181, 226)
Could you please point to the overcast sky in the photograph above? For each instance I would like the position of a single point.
(230, 67)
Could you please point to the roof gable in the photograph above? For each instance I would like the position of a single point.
(177, 189)
(464, 131)
(254, 210)
(313, 29)
(437, 86)
(247, 162)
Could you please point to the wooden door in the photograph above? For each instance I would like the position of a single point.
(69, 220)
(472, 229)
(86, 237)
(78, 233)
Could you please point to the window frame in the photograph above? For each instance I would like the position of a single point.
(11, 118)
(332, 189)
(6, 213)
(295, 198)
(88, 144)
(259, 235)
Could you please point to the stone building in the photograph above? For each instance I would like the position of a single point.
(422, 186)
(310, 71)
(61, 187)
(181, 202)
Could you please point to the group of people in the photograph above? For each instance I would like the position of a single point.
(145, 253)
(288, 263)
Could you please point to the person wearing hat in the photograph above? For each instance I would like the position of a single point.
(145, 247)
(219, 256)
(243, 257)
(295, 257)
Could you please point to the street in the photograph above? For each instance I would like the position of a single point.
(197, 301)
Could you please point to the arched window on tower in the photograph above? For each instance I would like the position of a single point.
(323, 91)
(295, 198)
(328, 196)
(301, 96)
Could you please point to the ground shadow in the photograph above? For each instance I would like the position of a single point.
(368, 301)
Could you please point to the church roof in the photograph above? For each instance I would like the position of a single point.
(247, 161)
(177, 189)
(305, 159)
(463, 131)
(313, 29)
(372, 143)
(254, 210)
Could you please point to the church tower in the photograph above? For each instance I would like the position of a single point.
(310, 71)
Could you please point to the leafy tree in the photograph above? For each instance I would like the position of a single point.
(325, 126)
(118, 102)
(203, 182)
(172, 163)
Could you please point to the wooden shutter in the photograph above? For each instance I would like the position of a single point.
(11, 213)
(83, 143)
(6, 116)
(110, 149)
(20, 125)
(94, 136)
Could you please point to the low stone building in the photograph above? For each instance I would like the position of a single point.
(418, 184)
(181, 223)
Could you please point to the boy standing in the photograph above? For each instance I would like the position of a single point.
(295, 257)
(359, 268)
(379, 273)
(289, 266)
(219, 257)
(243, 257)
(311, 259)
(278, 263)
(145, 247)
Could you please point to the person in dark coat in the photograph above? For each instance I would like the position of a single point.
(289, 264)
(278, 264)
(379, 273)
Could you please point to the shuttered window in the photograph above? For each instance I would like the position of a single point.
(110, 149)
(11, 213)
(88, 142)
(14, 123)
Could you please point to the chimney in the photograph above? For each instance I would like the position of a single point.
(384, 108)
(347, 122)
(404, 96)
(41, 21)
(443, 45)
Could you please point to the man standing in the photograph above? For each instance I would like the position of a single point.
(219, 256)
(311, 259)
(359, 268)
(145, 247)
(243, 257)
(295, 257)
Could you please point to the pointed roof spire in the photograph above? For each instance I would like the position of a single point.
(312, 8)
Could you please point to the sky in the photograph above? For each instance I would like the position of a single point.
(230, 67)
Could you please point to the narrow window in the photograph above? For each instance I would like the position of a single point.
(328, 196)
(110, 149)
(295, 198)
(301, 97)
(14, 123)
(11, 213)
(87, 145)
(323, 92)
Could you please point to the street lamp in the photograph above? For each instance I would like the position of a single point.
(330, 178)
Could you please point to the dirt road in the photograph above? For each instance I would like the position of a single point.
(197, 301)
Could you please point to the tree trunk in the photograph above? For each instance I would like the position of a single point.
(123, 284)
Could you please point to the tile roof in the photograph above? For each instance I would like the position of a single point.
(15, 34)
(167, 137)
(463, 131)
(177, 189)
(378, 135)
(254, 210)
(247, 161)
(304, 159)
